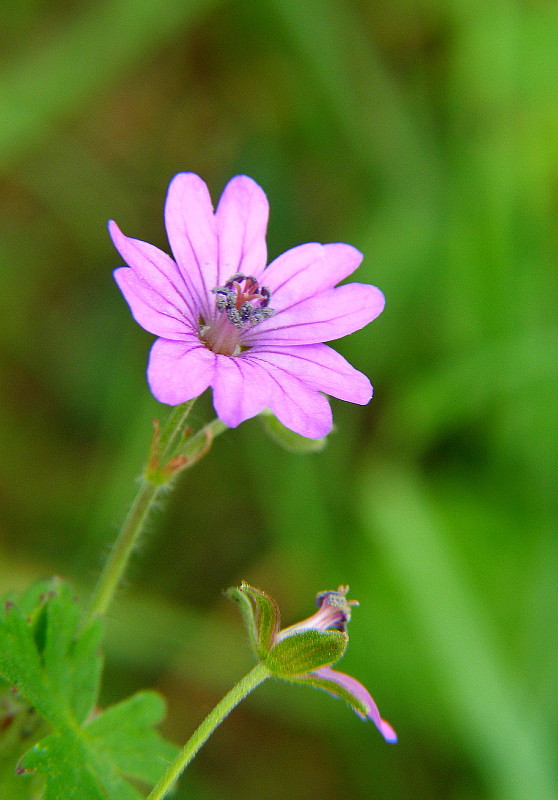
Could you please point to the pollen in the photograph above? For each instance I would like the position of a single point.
(243, 300)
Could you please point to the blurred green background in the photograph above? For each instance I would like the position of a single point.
(425, 133)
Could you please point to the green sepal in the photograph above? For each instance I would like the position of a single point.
(303, 652)
(247, 612)
(332, 687)
(260, 614)
(287, 439)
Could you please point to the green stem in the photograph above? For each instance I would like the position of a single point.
(118, 559)
(256, 676)
(149, 493)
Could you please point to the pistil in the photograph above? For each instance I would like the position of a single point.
(221, 337)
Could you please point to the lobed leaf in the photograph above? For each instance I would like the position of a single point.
(42, 658)
(56, 668)
(124, 733)
(74, 772)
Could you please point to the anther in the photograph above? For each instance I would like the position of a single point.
(243, 300)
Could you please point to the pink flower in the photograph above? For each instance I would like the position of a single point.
(224, 319)
(303, 653)
(334, 611)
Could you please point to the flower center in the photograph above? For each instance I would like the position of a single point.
(334, 609)
(243, 300)
(241, 303)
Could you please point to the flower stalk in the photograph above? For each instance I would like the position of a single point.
(170, 453)
(299, 654)
(250, 681)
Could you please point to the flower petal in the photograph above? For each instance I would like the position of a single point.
(320, 367)
(241, 219)
(155, 269)
(331, 681)
(328, 315)
(241, 389)
(153, 280)
(299, 408)
(307, 270)
(192, 234)
(149, 310)
(179, 371)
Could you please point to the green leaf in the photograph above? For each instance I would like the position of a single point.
(55, 668)
(261, 616)
(87, 673)
(66, 763)
(287, 439)
(303, 652)
(43, 659)
(120, 741)
(124, 733)
(20, 726)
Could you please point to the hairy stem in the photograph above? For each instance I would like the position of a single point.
(169, 455)
(250, 681)
(119, 556)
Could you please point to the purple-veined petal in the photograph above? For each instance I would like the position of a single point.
(321, 318)
(152, 286)
(179, 371)
(156, 272)
(192, 235)
(241, 220)
(241, 389)
(295, 405)
(307, 270)
(319, 367)
(360, 693)
(149, 309)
